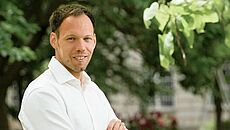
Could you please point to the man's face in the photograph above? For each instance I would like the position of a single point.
(75, 44)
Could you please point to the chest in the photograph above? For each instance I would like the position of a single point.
(86, 109)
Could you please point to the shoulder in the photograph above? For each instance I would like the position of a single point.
(95, 87)
(42, 85)
(38, 98)
(45, 80)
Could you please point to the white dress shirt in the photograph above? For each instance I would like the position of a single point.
(56, 101)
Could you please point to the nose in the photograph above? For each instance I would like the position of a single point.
(80, 46)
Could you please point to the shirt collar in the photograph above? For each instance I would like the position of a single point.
(62, 75)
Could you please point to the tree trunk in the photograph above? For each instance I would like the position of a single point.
(3, 111)
(218, 107)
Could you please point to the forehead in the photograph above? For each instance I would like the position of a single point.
(76, 25)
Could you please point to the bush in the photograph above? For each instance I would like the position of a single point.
(152, 121)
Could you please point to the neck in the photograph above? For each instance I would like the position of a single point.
(79, 76)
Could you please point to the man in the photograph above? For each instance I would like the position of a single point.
(64, 97)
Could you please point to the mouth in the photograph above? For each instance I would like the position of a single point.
(80, 58)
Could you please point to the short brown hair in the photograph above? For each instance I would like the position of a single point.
(65, 11)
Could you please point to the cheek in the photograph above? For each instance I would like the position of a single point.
(63, 53)
(91, 48)
(65, 50)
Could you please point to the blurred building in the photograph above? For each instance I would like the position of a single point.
(191, 111)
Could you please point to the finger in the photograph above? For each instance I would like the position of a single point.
(111, 124)
(117, 125)
(122, 126)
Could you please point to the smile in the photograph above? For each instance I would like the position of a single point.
(80, 58)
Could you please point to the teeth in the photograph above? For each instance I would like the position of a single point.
(80, 57)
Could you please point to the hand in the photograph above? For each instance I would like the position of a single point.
(116, 124)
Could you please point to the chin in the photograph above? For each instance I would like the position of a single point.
(79, 69)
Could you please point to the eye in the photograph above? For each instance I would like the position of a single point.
(88, 39)
(71, 38)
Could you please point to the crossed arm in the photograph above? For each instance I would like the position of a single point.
(116, 124)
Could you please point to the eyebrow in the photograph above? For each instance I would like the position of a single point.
(88, 35)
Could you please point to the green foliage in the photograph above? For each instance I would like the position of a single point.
(166, 49)
(15, 33)
(204, 60)
(227, 35)
(187, 21)
(180, 18)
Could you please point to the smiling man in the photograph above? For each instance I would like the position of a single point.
(64, 97)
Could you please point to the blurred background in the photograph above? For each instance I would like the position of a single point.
(125, 65)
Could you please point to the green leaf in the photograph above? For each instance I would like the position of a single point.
(227, 41)
(164, 61)
(28, 54)
(168, 43)
(181, 23)
(7, 26)
(177, 2)
(211, 17)
(147, 23)
(189, 34)
(227, 36)
(149, 13)
(177, 10)
(162, 17)
(166, 49)
(188, 22)
(21, 54)
(219, 4)
(198, 23)
(226, 11)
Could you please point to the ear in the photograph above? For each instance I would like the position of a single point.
(53, 40)
(95, 39)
